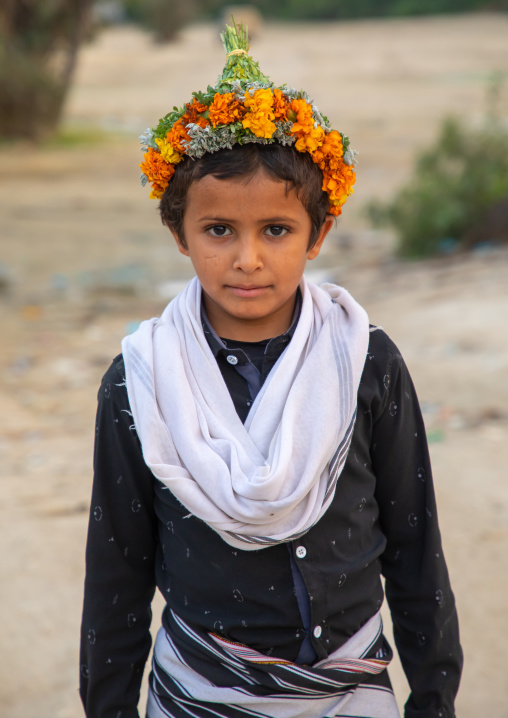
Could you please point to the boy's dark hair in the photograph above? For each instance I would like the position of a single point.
(283, 163)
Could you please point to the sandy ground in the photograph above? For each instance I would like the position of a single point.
(84, 258)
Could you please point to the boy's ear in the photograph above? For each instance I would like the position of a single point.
(325, 228)
(180, 245)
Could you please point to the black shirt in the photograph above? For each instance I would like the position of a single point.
(245, 365)
(382, 520)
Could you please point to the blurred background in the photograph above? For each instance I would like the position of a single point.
(422, 91)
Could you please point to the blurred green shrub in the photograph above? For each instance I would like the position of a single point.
(166, 17)
(343, 9)
(454, 184)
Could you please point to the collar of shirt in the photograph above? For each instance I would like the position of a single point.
(239, 360)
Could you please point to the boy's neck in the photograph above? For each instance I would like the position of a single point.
(256, 329)
(252, 332)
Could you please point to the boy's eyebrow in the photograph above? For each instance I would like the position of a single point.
(267, 220)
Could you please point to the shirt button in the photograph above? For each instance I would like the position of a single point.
(301, 552)
(232, 359)
(317, 631)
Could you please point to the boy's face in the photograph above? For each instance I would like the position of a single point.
(247, 240)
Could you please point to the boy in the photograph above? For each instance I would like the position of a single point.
(260, 454)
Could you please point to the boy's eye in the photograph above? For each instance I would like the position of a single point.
(276, 230)
(219, 230)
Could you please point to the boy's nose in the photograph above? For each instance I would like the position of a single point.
(248, 255)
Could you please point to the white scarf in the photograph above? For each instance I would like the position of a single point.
(268, 480)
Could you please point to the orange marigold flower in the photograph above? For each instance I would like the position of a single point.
(330, 151)
(158, 171)
(201, 121)
(193, 109)
(280, 105)
(304, 121)
(225, 109)
(178, 133)
(157, 190)
(310, 141)
(259, 119)
(339, 184)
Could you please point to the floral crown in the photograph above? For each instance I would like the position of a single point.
(245, 106)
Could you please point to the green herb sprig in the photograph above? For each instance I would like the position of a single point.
(239, 66)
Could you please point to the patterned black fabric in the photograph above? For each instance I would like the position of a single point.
(383, 519)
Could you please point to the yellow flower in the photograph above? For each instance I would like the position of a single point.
(168, 152)
(259, 119)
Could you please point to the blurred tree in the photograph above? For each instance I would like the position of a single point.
(39, 42)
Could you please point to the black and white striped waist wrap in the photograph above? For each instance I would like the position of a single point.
(200, 674)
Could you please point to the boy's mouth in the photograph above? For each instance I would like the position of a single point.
(247, 291)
